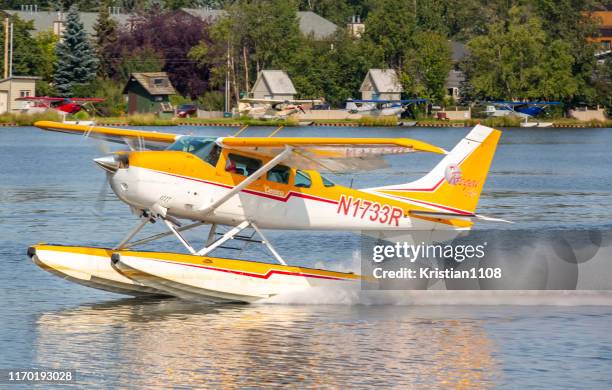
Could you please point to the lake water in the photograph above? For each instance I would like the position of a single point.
(540, 179)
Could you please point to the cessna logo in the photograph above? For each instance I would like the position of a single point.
(452, 174)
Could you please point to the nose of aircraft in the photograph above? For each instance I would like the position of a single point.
(112, 162)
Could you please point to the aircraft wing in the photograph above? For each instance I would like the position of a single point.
(331, 154)
(92, 100)
(41, 99)
(278, 101)
(136, 139)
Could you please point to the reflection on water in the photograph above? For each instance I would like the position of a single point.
(170, 341)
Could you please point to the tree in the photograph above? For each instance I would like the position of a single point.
(162, 41)
(571, 21)
(76, 60)
(390, 24)
(105, 33)
(517, 60)
(257, 35)
(27, 56)
(427, 64)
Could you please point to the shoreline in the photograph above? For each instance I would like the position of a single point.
(427, 123)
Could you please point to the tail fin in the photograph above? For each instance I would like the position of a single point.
(455, 184)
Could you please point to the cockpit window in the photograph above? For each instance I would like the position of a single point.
(302, 179)
(204, 148)
(279, 174)
(242, 165)
(327, 182)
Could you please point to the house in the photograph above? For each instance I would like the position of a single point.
(310, 22)
(14, 87)
(273, 84)
(455, 77)
(381, 84)
(604, 37)
(149, 92)
(355, 27)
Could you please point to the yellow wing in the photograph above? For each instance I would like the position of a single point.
(134, 138)
(331, 154)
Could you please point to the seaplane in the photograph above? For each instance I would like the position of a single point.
(273, 109)
(62, 105)
(238, 184)
(381, 107)
(524, 110)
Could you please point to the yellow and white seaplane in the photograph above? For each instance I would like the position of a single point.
(258, 183)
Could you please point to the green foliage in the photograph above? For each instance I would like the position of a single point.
(46, 42)
(105, 33)
(177, 100)
(390, 25)
(44, 88)
(145, 59)
(28, 58)
(76, 60)
(427, 64)
(212, 101)
(518, 60)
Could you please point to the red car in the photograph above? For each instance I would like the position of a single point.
(186, 110)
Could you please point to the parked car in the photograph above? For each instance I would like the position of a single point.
(186, 110)
(321, 106)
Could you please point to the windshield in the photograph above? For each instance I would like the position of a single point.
(203, 147)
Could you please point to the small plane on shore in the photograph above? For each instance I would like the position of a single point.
(524, 110)
(63, 105)
(258, 183)
(381, 107)
(273, 109)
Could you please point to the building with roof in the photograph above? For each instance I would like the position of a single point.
(273, 84)
(455, 77)
(14, 87)
(149, 93)
(310, 23)
(381, 84)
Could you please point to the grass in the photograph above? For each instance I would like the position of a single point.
(29, 119)
(377, 121)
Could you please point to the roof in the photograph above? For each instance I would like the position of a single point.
(21, 78)
(383, 81)
(44, 20)
(310, 22)
(458, 51)
(204, 13)
(277, 81)
(145, 80)
(318, 26)
(454, 79)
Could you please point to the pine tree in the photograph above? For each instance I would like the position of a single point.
(77, 62)
(105, 34)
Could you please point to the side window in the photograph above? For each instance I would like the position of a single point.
(242, 165)
(327, 182)
(213, 156)
(302, 179)
(279, 174)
